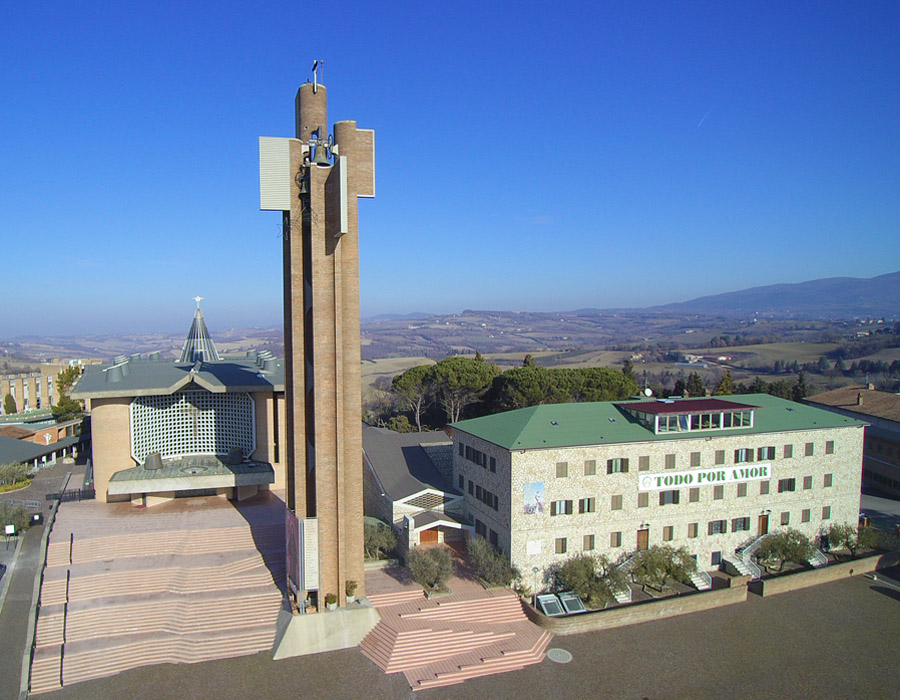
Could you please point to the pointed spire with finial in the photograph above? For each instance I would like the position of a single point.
(198, 346)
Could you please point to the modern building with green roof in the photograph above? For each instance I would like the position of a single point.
(710, 474)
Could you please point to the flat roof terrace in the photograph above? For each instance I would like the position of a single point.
(190, 472)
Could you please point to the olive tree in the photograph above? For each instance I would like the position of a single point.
(593, 578)
(782, 547)
(661, 563)
(491, 565)
(430, 568)
(851, 537)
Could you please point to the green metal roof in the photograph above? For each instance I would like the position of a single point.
(576, 424)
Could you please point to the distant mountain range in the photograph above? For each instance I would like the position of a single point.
(830, 298)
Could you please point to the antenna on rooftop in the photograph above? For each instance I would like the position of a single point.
(315, 71)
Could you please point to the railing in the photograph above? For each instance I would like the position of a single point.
(72, 495)
(817, 558)
(704, 577)
(88, 482)
(34, 505)
(755, 571)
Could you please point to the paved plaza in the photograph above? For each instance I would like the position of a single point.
(837, 640)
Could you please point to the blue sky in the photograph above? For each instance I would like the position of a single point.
(529, 156)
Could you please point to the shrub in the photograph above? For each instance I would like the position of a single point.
(14, 515)
(491, 565)
(593, 578)
(350, 587)
(659, 564)
(13, 473)
(430, 568)
(787, 545)
(852, 537)
(330, 599)
(378, 541)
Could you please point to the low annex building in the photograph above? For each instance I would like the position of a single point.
(406, 484)
(710, 474)
(200, 425)
(881, 410)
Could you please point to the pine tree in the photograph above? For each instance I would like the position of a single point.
(725, 385)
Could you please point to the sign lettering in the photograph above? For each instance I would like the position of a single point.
(703, 477)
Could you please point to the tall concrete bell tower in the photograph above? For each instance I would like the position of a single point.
(315, 179)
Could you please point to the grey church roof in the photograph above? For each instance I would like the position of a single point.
(401, 464)
(135, 377)
(200, 367)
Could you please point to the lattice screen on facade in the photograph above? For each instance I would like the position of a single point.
(427, 501)
(192, 422)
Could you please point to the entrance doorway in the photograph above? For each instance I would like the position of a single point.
(643, 539)
(763, 528)
(428, 536)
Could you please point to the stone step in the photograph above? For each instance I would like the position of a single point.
(385, 600)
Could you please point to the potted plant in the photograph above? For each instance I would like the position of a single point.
(331, 601)
(350, 589)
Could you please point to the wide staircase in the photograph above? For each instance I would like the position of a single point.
(181, 585)
(447, 640)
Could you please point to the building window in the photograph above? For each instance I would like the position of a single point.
(616, 466)
(462, 482)
(829, 447)
(494, 464)
(787, 485)
(788, 451)
(694, 494)
(471, 488)
(826, 513)
(561, 545)
(785, 518)
(695, 459)
(669, 497)
(562, 470)
(643, 499)
(561, 507)
(716, 558)
(804, 515)
(462, 450)
(807, 482)
(765, 453)
(693, 529)
(586, 505)
(644, 463)
(741, 490)
(494, 539)
(828, 479)
(480, 528)
(718, 492)
(615, 502)
(720, 456)
(740, 524)
(718, 527)
(477, 492)
(615, 539)
(670, 461)
(590, 467)
(763, 488)
(743, 455)
(809, 450)
(588, 543)
(668, 533)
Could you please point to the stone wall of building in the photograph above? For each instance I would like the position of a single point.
(611, 522)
